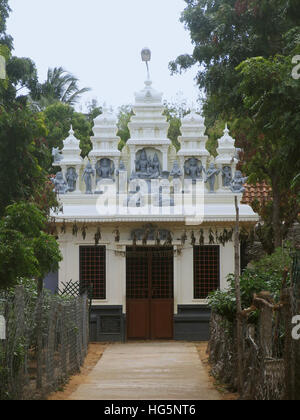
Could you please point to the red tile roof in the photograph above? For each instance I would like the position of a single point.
(260, 191)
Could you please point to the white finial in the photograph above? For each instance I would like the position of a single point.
(71, 132)
(105, 109)
(146, 57)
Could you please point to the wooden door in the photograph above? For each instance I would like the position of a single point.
(150, 300)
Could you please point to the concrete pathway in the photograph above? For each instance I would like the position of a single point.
(148, 371)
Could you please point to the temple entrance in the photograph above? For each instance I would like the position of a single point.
(150, 292)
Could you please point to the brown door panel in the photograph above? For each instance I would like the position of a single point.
(161, 311)
(138, 322)
(149, 292)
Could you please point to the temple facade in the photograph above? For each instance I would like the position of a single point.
(148, 230)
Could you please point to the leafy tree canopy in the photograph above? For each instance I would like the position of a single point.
(60, 86)
(21, 175)
(25, 250)
(227, 32)
(58, 119)
(244, 51)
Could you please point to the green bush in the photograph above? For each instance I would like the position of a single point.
(264, 275)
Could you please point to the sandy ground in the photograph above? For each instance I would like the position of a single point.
(94, 355)
(225, 394)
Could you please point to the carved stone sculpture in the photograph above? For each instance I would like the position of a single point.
(147, 169)
(105, 169)
(122, 168)
(71, 178)
(56, 153)
(193, 169)
(60, 185)
(227, 176)
(155, 167)
(211, 175)
(87, 175)
(176, 171)
(142, 166)
(237, 184)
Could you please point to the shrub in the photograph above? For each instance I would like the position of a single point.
(264, 275)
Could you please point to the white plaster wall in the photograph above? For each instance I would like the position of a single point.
(116, 265)
(227, 263)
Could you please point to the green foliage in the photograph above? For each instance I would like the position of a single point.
(4, 14)
(244, 51)
(227, 32)
(271, 99)
(124, 116)
(60, 86)
(174, 112)
(264, 275)
(47, 252)
(58, 119)
(25, 250)
(21, 175)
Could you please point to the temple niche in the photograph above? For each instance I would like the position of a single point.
(193, 169)
(147, 164)
(105, 169)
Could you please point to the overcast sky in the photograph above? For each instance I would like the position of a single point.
(100, 41)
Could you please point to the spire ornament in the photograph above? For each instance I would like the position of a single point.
(146, 57)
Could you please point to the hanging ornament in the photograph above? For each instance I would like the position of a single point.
(134, 240)
(201, 240)
(169, 240)
(157, 238)
(145, 237)
(193, 239)
(183, 238)
(223, 238)
(211, 237)
(225, 235)
(75, 229)
(117, 235)
(217, 236)
(98, 236)
(63, 228)
(83, 231)
(53, 227)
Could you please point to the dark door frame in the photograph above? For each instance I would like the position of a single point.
(147, 308)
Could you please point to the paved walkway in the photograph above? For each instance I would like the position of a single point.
(148, 371)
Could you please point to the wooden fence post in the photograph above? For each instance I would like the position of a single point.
(39, 336)
(239, 323)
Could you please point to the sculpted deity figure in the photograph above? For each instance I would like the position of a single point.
(122, 168)
(193, 170)
(87, 175)
(156, 169)
(227, 176)
(57, 156)
(142, 165)
(211, 174)
(147, 168)
(71, 178)
(105, 169)
(176, 171)
(237, 184)
(60, 185)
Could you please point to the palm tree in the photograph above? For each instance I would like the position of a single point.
(60, 86)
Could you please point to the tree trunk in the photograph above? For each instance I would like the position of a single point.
(276, 213)
(240, 347)
(39, 336)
